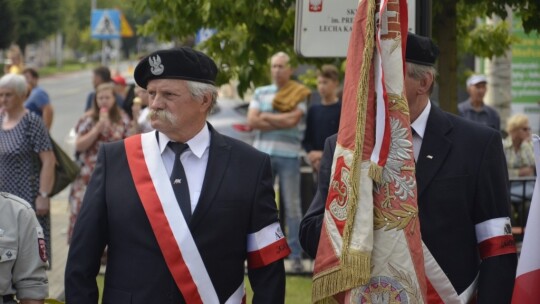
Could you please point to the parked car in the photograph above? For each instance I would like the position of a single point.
(229, 117)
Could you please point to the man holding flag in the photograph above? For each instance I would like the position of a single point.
(461, 186)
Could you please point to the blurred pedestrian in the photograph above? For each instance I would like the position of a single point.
(26, 156)
(23, 257)
(104, 122)
(463, 207)
(474, 107)
(100, 75)
(140, 110)
(276, 112)
(182, 208)
(518, 147)
(38, 102)
(322, 119)
(520, 161)
(120, 85)
(15, 61)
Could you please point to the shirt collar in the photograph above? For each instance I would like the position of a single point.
(468, 106)
(419, 125)
(197, 144)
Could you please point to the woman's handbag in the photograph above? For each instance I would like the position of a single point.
(65, 169)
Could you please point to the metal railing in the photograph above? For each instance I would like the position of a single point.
(521, 189)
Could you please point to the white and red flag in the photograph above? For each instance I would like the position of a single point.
(370, 249)
(527, 286)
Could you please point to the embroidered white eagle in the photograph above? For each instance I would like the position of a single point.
(155, 65)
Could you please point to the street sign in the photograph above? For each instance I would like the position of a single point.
(105, 24)
(125, 29)
(323, 27)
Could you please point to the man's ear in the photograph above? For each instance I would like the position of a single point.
(425, 83)
(206, 102)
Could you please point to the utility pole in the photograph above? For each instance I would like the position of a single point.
(423, 17)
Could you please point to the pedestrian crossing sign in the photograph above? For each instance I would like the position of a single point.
(105, 24)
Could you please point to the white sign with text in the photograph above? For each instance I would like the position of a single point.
(323, 27)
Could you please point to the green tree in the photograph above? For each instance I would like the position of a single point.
(456, 32)
(77, 23)
(248, 33)
(7, 23)
(35, 20)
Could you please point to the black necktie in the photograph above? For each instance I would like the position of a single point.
(179, 180)
(415, 154)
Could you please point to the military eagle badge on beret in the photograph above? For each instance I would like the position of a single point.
(155, 65)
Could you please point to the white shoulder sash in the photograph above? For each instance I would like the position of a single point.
(170, 228)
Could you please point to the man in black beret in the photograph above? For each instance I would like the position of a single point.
(180, 208)
(462, 189)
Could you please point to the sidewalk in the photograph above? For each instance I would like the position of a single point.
(59, 225)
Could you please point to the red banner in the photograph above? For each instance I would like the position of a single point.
(370, 244)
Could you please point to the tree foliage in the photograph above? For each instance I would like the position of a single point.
(459, 33)
(7, 23)
(35, 20)
(248, 33)
(529, 10)
(77, 30)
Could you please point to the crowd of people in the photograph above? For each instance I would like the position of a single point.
(27, 166)
(187, 206)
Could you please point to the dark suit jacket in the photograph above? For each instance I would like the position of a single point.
(237, 199)
(464, 182)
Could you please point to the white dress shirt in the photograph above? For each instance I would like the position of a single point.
(419, 126)
(193, 159)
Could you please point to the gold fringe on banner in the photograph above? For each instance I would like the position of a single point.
(354, 271)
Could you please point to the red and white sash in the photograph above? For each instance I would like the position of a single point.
(170, 228)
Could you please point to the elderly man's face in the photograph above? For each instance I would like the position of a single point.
(173, 109)
(280, 70)
(477, 91)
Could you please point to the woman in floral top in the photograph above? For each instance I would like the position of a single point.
(104, 122)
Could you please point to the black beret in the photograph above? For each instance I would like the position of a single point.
(179, 63)
(421, 50)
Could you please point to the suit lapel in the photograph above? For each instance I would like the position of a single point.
(217, 164)
(435, 148)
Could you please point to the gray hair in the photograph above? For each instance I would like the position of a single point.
(282, 54)
(15, 82)
(419, 71)
(199, 89)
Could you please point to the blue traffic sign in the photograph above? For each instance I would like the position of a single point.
(105, 24)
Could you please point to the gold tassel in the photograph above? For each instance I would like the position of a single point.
(348, 276)
(375, 172)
